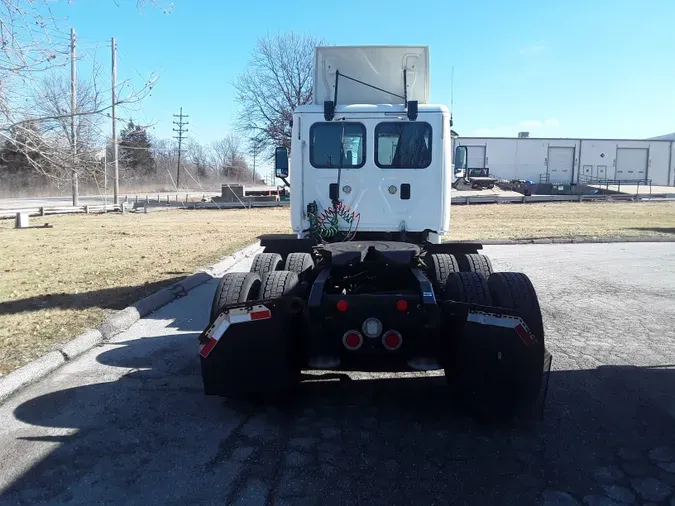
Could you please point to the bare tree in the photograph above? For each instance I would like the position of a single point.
(227, 157)
(34, 44)
(277, 80)
(198, 156)
(28, 32)
(32, 41)
(165, 153)
(52, 102)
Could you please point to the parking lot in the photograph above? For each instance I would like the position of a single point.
(127, 422)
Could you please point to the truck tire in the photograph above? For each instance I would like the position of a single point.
(513, 384)
(514, 290)
(486, 385)
(441, 265)
(467, 287)
(299, 263)
(266, 262)
(234, 287)
(473, 262)
(277, 284)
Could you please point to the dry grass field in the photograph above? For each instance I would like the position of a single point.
(58, 281)
(562, 220)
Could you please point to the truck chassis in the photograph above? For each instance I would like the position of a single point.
(378, 305)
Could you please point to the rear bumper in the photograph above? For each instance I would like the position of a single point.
(418, 325)
(259, 352)
(487, 353)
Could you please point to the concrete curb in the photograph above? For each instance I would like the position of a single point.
(577, 240)
(119, 322)
(85, 341)
(29, 373)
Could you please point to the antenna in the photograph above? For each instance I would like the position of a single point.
(452, 93)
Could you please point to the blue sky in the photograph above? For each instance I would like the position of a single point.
(592, 68)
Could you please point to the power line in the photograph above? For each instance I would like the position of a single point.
(181, 131)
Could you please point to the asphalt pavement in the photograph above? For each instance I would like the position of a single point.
(127, 423)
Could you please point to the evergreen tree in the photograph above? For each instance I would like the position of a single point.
(21, 163)
(135, 152)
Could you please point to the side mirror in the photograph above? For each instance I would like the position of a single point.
(460, 159)
(281, 162)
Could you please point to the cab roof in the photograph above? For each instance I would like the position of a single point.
(371, 108)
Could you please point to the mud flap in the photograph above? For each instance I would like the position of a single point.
(497, 365)
(252, 348)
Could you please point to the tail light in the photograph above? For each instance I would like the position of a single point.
(392, 340)
(352, 340)
(402, 305)
(342, 305)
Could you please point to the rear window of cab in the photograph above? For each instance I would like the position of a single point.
(337, 144)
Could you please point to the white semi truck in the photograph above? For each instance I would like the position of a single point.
(366, 281)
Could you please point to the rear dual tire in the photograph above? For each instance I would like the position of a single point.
(285, 355)
(300, 263)
(237, 287)
(277, 284)
(266, 262)
(443, 266)
(440, 266)
(468, 287)
(490, 376)
(233, 288)
(474, 262)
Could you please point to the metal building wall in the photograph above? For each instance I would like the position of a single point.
(528, 158)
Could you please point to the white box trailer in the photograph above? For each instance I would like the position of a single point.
(573, 160)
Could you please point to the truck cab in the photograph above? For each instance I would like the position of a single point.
(372, 143)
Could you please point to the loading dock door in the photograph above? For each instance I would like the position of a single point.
(560, 166)
(475, 158)
(631, 163)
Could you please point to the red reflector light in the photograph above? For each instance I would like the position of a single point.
(392, 340)
(352, 340)
(261, 315)
(342, 305)
(402, 305)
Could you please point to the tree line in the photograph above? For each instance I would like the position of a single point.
(36, 140)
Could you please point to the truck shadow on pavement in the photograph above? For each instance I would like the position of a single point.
(152, 437)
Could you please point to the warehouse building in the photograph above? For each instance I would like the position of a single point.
(569, 161)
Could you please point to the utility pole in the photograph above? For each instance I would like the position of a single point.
(255, 149)
(73, 112)
(180, 123)
(116, 183)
